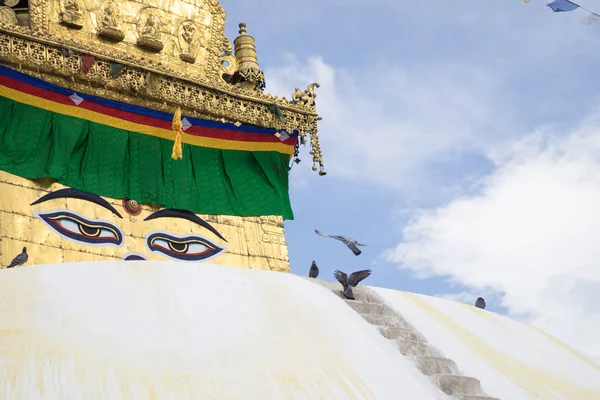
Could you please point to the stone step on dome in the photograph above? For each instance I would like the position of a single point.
(418, 349)
(384, 320)
(459, 385)
(431, 366)
(362, 307)
(400, 333)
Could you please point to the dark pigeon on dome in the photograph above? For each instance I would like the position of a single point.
(20, 259)
(348, 282)
(314, 270)
(480, 303)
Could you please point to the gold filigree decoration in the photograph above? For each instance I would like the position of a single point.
(307, 97)
(38, 16)
(229, 64)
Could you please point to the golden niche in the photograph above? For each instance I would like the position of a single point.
(188, 41)
(109, 25)
(71, 14)
(150, 27)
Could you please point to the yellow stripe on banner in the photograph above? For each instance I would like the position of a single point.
(103, 119)
(536, 382)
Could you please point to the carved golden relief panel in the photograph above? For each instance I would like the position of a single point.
(177, 30)
(57, 229)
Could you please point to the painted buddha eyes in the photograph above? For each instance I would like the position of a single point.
(186, 248)
(77, 228)
(73, 226)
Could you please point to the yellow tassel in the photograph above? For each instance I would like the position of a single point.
(177, 126)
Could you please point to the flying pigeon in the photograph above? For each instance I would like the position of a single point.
(20, 259)
(349, 282)
(351, 243)
(480, 303)
(314, 270)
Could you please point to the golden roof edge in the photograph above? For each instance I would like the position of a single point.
(36, 54)
(259, 97)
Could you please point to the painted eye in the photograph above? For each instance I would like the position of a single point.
(186, 248)
(77, 228)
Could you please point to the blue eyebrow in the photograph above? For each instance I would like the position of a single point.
(77, 194)
(190, 216)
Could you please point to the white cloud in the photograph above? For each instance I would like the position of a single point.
(532, 234)
(384, 125)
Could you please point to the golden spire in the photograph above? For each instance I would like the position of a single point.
(245, 53)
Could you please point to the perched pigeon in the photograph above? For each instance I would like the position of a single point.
(20, 259)
(349, 282)
(480, 303)
(314, 270)
(351, 243)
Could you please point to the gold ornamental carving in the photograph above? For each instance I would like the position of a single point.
(71, 14)
(307, 97)
(228, 62)
(109, 25)
(272, 228)
(39, 18)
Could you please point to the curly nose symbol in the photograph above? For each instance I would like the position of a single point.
(134, 257)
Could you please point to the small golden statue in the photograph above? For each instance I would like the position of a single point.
(187, 41)
(150, 35)
(71, 14)
(110, 23)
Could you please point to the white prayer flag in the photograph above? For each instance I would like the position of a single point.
(282, 135)
(185, 124)
(76, 99)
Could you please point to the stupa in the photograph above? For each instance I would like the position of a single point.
(144, 184)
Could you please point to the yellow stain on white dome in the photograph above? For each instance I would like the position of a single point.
(511, 359)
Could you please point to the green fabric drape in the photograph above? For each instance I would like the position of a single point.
(35, 143)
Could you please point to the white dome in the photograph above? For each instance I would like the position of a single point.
(124, 330)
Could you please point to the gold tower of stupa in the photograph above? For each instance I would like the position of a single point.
(95, 94)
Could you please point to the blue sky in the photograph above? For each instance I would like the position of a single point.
(437, 116)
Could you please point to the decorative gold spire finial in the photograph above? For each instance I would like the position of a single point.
(245, 53)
